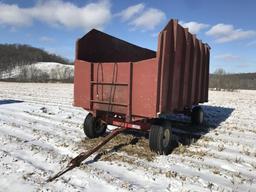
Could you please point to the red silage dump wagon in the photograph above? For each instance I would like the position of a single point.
(133, 87)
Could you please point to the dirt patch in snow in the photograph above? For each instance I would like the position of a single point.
(135, 145)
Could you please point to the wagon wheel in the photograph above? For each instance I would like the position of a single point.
(197, 115)
(160, 138)
(94, 127)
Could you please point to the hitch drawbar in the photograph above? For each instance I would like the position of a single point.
(84, 155)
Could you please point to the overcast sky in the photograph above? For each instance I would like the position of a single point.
(228, 26)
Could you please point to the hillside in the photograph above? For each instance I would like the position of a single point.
(13, 55)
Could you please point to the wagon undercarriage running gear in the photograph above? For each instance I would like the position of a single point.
(197, 115)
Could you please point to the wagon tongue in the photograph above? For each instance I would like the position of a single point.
(68, 168)
(84, 155)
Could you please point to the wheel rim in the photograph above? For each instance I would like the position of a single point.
(166, 137)
(97, 126)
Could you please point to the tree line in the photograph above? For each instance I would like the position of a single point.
(30, 73)
(12, 55)
(220, 79)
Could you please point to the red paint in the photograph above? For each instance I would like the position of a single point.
(112, 75)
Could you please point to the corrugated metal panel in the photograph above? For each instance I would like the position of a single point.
(183, 60)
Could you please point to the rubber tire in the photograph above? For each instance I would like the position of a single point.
(93, 127)
(197, 115)
(156, 138)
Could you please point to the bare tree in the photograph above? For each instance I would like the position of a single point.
(219, 74)
(220, 71)
(24, 74)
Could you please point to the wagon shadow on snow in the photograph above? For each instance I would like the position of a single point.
(136, 142)
(9, 101)
(186, 134)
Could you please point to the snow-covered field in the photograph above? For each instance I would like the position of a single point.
(40, 131)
